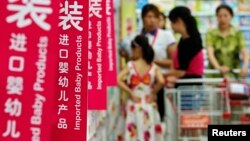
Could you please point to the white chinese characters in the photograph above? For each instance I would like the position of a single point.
(14, 85)
(64, 39)
(95, 8)
(63, 81)
(29, 11)
(62, 107)
(18, 42)
(63, 96)
(11, 130)
(63, 67)
(13, 107)
(62, 123)
(70, 15)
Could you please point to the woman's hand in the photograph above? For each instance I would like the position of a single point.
(171, 79)
(135, 98)
(224, 69)
(243, 72)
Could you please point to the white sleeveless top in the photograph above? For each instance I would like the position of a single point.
(141, 85)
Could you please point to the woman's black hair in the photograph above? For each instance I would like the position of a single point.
(226, 7)
(147, 51)
(184, 14)
(150, 8)
(164, 17)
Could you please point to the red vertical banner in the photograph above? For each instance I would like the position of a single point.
(70, 109)
(28, 60)
(111, 45)
(97, 58)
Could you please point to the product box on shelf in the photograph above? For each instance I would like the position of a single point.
(244, 20)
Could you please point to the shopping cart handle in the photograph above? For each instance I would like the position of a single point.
(214, 71)
(205, 80)
(201, 80)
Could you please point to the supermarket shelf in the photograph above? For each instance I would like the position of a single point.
(202, 14)
(206, 14)
(213, 14)
(243, 13)
(245, 28)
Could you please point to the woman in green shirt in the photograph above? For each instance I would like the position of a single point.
(225, 44)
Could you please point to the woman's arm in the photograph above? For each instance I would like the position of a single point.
(160, 81)
(164, 63)
(121, 83)
(245, 55)
(212, 59)
(125, 87)
(167, 63)
(176, 73)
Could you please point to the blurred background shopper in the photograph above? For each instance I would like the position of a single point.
(225, 44)
(162, 21)
(143, 81)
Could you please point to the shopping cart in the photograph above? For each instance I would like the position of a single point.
(239, 93)
(217, 101)
(170, 116)
(197, 107)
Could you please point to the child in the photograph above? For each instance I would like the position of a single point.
(143, 81)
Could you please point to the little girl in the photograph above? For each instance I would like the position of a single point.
(143, 81)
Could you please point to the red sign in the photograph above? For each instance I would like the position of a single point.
(111, 53)
(28, 59)
(97, 59)
(195, 121)
(70, 109)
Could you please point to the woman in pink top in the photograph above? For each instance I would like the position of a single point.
(188, 58)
